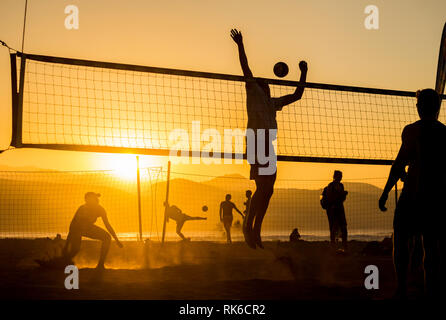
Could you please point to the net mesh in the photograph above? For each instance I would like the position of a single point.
(42, 204)
(98, 106)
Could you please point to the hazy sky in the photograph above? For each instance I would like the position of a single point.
(330, 35)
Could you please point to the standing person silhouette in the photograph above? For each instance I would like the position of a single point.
(247, 205)
(226, 215)
(420, 207)
(83, 225)
(175, 213)
(336, 196)
(261, 132)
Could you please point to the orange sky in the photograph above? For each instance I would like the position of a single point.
(330, 35)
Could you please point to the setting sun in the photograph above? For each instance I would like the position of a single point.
(124, 165)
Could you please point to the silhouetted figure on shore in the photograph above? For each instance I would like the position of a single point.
(175, 213)
(226, 216)
(83, 225)
(295, 235)
(420, 207)
(334, 196)
(247, 205)
(261, 132)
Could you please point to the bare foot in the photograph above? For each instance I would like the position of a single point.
(257, 238)
(248, 238)
(100, 267)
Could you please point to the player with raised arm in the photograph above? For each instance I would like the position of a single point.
(226, 216)
(83, 225)
(261, 110)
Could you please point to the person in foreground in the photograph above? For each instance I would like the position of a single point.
(420, 207)
(175, 213)
(83, 225)
(226, 216)
(261, 110)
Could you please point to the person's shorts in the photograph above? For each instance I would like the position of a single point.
(337, 217)
(78, 230)
(340, 220)
(404, 219)
(415, 217)
(227, 221)
(258, 168)
(185, 217)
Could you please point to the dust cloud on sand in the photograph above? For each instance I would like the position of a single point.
(197, 270)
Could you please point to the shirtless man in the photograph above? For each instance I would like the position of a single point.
(226, 216)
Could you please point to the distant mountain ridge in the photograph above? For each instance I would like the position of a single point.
(46, 202)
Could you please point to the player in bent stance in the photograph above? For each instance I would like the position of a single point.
(83, 225)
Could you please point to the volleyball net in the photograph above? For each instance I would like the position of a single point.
(73, 104)
(41, 204)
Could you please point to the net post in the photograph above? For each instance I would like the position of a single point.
(14, 97)
(167, 199)
(19, 103)
(138, 183)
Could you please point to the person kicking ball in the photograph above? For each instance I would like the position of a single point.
(175, 213)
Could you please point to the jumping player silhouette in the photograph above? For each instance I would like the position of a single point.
(261, 109)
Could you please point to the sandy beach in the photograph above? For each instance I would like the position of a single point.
(199, 270)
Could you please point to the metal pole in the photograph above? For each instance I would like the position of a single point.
(14, 99)
(138, 182)
(19, 115)
(396, 192)
(167, 201)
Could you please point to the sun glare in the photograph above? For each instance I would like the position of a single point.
(124, 165)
